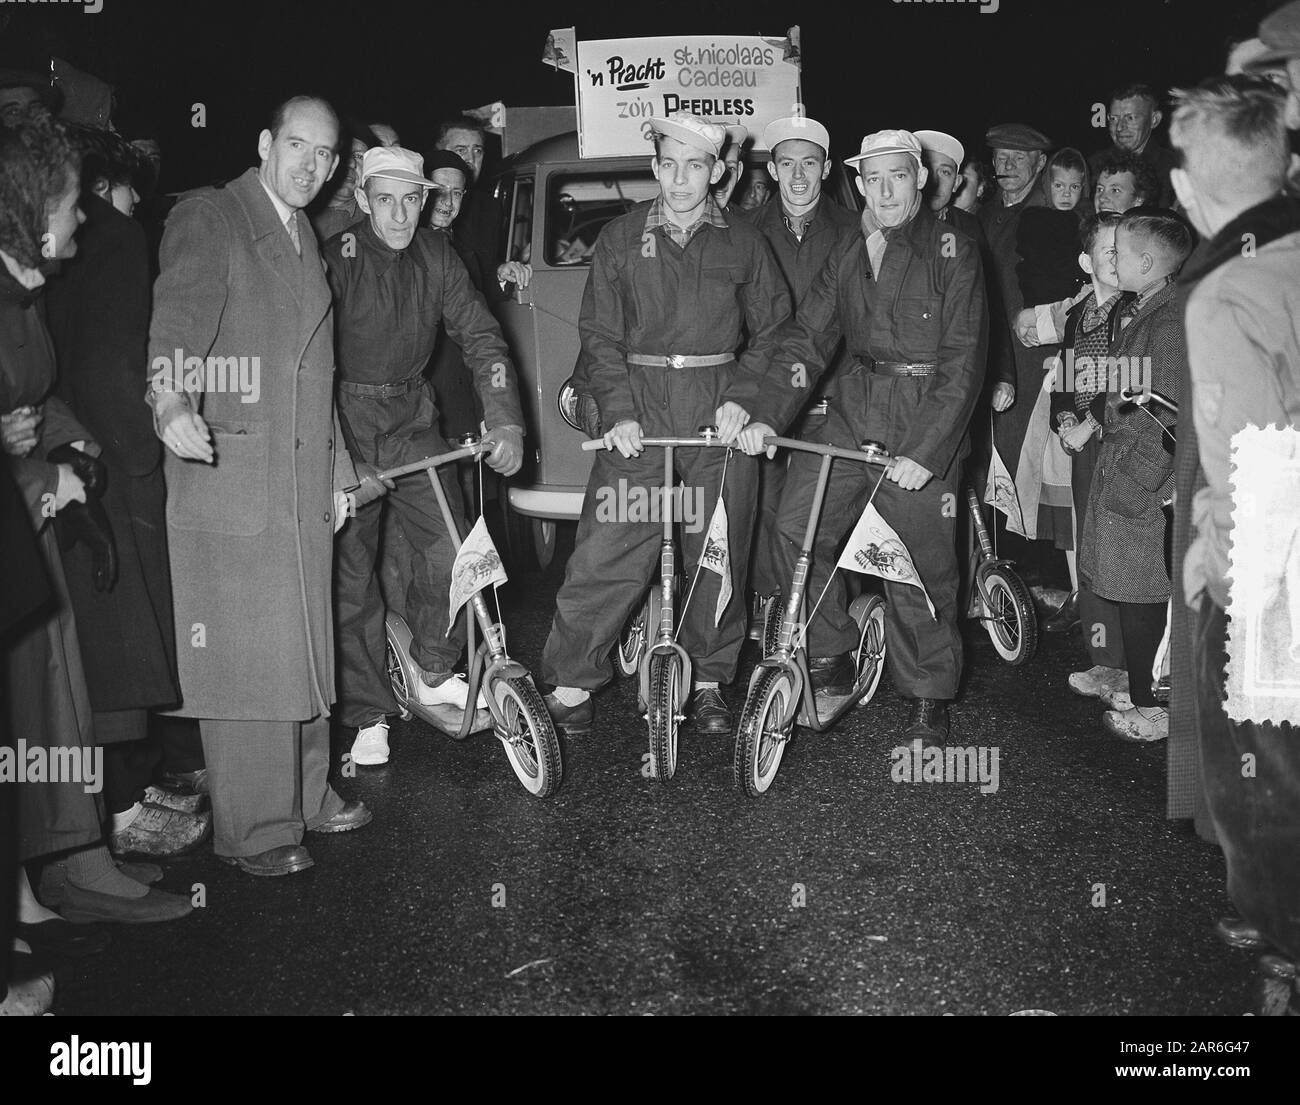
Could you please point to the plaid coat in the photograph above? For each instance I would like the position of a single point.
(1122, 553)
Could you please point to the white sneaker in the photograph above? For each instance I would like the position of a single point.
(450, 692)
(370, 749)
(1094, 682)
(1140, 725)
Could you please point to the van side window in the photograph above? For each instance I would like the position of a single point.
(580, 204)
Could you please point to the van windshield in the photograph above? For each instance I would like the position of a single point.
(580, 204)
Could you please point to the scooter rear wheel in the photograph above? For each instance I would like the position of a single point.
(1010, 619)
(761, 737)
(397, 642)
(868, 611)
(636, 632)
(529, 736)
(665, 692)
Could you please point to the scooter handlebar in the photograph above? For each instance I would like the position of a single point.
(433, 462)
(597, 443)
(866, 456)
(1141, 396)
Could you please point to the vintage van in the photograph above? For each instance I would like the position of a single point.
(553, 205)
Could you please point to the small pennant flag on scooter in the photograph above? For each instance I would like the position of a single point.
(717, 557)
(1000, 493)
(875, 549)
(477, 565)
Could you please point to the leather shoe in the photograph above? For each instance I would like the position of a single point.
(1238, 933)
(927, 719)
(60, 939)
(288, 859)
(83, 906)
(832, 675)
(573, 721)
(709, 711)
(353, 815)
(1066, 616)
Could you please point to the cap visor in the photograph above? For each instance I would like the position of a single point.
(684, 135)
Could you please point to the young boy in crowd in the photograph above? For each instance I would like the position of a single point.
(1047, 240)
(1122, 553)
(1048, 237)
(1077, 409)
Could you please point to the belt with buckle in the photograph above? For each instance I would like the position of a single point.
(899, 368)
(382, 391)
(680, 360)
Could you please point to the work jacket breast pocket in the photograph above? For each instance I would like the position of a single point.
(916, 327)
(230, 496)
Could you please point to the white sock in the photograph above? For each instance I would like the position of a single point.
(123, 819)
(699, 686)
(571, 696)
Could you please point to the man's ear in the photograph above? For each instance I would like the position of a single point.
(857, 179)
(654, 167)
(264, 141)
(1156, 116)
(333, 166)
(1148, 262)
(718, 171)
(1183, 187)
(363, 200)
(922, 175)
(425, 197)
(1085, 263)
(826, 168)
(101, 187)
(771, 171)
(1040, 160)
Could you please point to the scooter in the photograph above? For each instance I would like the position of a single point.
(1005, 606)
(515, 711)
(649, 644)
(780, 688)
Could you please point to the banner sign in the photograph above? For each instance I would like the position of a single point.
(726, 79)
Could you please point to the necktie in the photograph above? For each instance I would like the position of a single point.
(292, 224)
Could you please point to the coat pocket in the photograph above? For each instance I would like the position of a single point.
(231, 496)
(1149, 472)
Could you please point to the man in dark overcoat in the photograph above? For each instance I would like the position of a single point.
(241, 353)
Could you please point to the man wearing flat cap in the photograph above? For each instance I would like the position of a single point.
(906, 294)
(1019, 156)
(674, 285)
(802, 225)
(393, 283)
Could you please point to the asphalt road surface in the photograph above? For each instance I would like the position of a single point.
(839, 891)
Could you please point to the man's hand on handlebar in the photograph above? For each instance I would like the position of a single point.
(750, 439)
(625, 436)
(731, 419)
(507, 455)
(909, 475)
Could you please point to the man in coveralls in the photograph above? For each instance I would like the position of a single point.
(393, 282)
(907, 296)
(672, 284)
(802, 226)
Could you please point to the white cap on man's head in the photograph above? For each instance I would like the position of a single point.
(796, 126)
(935, 141)
(691, 131)
(394, 163)
(888, 141)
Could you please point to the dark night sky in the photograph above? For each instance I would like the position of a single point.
(867, 65)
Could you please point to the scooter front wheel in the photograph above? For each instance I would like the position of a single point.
(1010, 619)
(661, 714)
(763, 733)
(528, 735)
